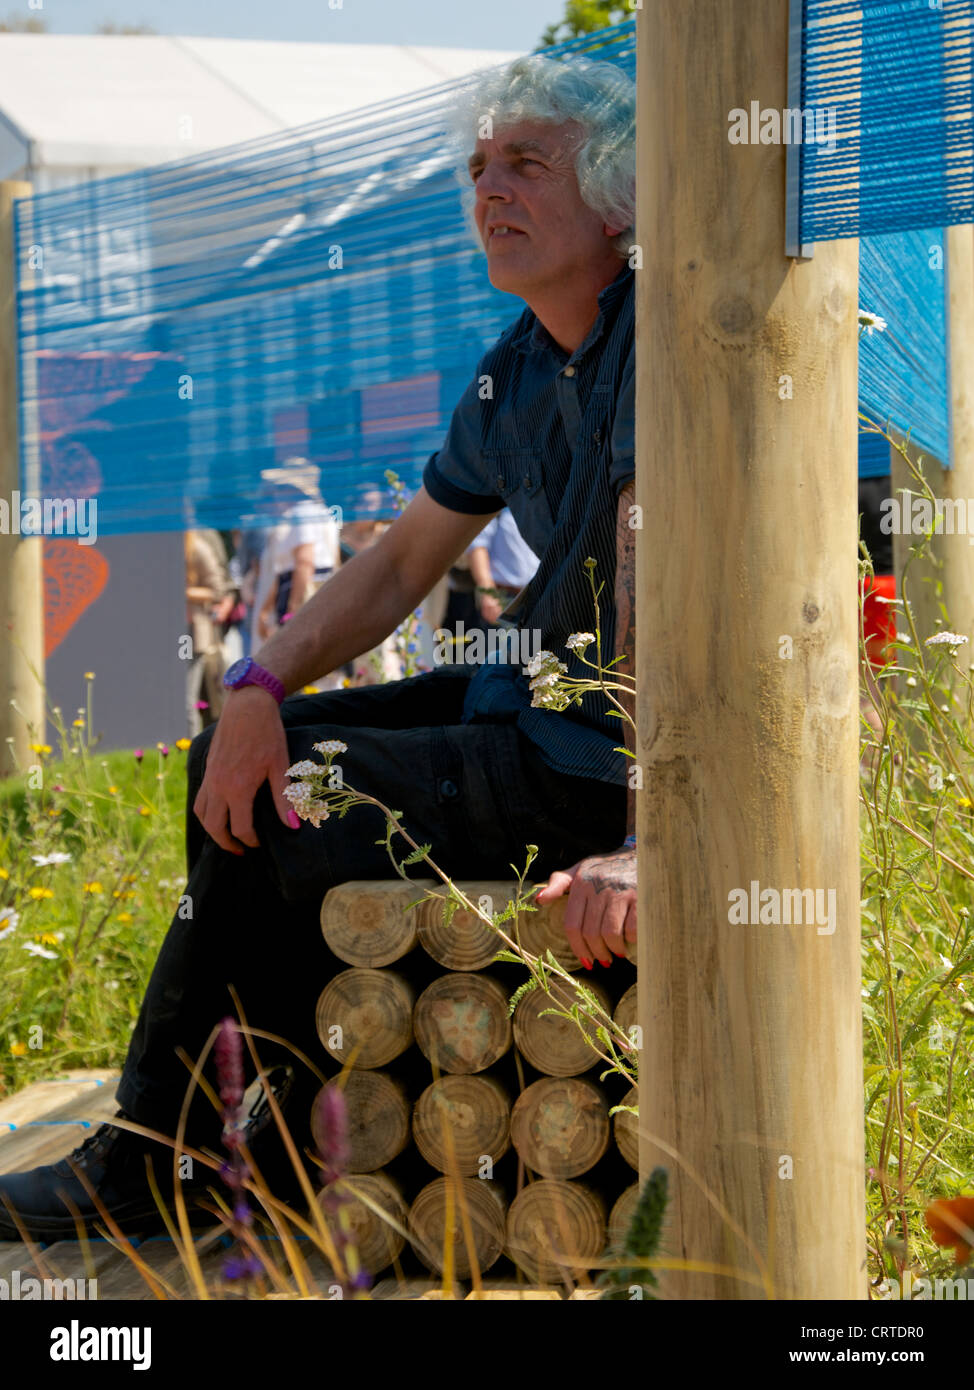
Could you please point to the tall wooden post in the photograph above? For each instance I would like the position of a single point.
(751, 1068)
(958, 479)
(21, 558)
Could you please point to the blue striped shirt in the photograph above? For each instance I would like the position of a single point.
(551, 436)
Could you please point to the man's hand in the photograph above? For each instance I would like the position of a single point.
(601, 914)
(490, 607)
(248, 749)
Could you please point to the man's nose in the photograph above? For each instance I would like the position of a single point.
(492, 183)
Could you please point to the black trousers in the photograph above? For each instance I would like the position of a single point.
(479, 793)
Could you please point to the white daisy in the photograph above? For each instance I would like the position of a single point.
(56, 858)
(37, 950)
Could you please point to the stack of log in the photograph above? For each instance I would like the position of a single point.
(466, 1123)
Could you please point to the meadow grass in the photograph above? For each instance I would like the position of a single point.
(78, 938)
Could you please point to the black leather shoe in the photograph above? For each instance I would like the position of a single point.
(113, 1161)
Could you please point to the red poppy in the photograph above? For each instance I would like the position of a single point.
(951, 1222)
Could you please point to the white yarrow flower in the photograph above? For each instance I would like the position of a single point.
(305, 768)
(579, 641)
(945, 639)
(42, 860)
(330, 745)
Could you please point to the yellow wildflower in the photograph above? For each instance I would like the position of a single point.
(89, 675)
(183, 743)
(53, 812)
(41, 747)
(38, 893)
(144, 811)
(77, 724)
(94, 887)
(125, 917)
(18, 1049)
(113, 791)
(4, 873)
(48, 938)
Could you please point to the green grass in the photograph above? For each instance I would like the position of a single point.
(121, 822)
(77, 1008)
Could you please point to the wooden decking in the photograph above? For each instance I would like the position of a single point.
(47, 1120)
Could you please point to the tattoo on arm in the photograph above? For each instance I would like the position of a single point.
(625, 634)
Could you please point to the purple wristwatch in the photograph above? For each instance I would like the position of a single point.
(247, 672)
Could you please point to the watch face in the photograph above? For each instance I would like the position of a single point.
(236, 672)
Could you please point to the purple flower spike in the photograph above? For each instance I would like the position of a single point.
(241, 1267)
(332, 1132)
(228, 1052)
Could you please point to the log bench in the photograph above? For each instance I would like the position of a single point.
(468, 1125)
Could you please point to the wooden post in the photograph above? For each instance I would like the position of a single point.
(459, 1121)
(555, 1230)
(21, 557)
(958, 548)
(462, 1023)
(378, 1119)
(447, 1212)
(366, 923)
(751, 1077)
(552, 1043)
(560, 1126)
(365, 1018)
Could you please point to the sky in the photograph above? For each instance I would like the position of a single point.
(503, 24)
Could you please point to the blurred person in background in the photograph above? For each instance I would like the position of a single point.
(501, 564)
(384, 662)
(301, 552)
(209, 600)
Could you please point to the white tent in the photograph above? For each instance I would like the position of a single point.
(79, 107)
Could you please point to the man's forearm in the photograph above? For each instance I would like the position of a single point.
(351, 613)
(625, 636)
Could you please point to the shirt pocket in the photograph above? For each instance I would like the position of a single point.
(518, 476)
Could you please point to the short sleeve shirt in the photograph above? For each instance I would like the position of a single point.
(550, 434)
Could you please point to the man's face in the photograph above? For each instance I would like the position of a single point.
(525, 181)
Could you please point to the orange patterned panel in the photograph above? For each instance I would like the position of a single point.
(74, 577)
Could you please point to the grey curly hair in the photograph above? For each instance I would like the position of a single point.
(597, 96)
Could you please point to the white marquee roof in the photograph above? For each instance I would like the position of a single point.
(103, 101)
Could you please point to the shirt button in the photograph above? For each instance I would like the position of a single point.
(499, 483)
(569, 371)
(448, 788)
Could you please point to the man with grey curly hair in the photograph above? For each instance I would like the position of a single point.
(483, 760)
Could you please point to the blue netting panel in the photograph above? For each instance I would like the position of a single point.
(902, 374)
(898, 75)
(317, 295)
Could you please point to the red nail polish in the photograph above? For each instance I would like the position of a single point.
(292, 820)
(605, 962)
(587, 963)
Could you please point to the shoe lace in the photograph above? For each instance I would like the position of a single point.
(90, 1149)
